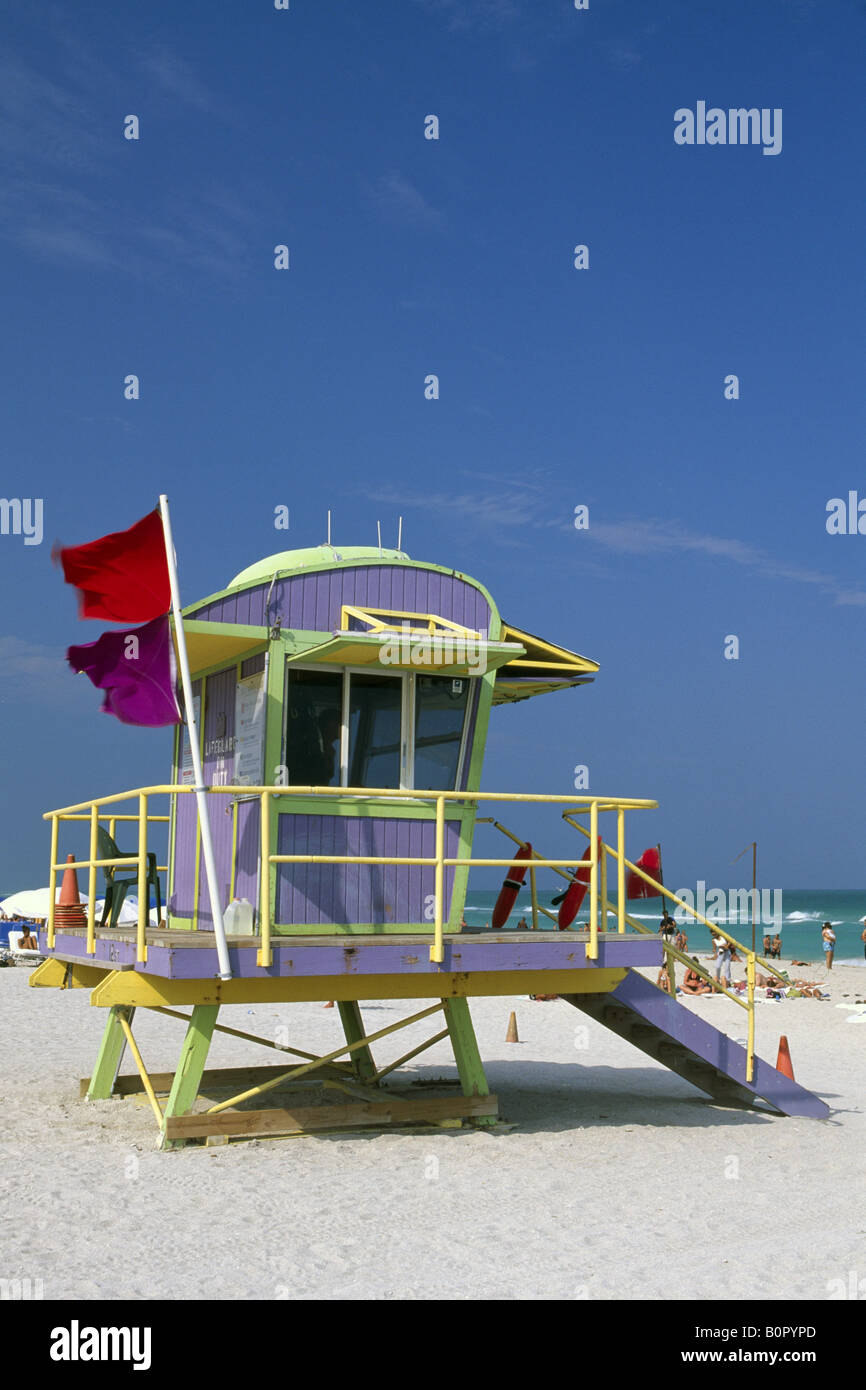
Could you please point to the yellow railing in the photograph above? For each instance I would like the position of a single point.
(94, 811)
(752, 959)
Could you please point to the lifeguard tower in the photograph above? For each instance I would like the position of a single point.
(343, 701)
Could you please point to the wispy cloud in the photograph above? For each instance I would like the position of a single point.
(398, 200)
(178, 79)
(63, 164)
(515, 505)
(34, 672)
(466, 15)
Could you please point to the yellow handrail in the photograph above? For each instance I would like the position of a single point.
(93, 811)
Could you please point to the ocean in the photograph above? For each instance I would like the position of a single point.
(803, 912)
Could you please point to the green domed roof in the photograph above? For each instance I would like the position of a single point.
(315, 557)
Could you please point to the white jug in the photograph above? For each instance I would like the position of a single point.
(238, 918)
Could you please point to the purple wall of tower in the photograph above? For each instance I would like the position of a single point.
(363, 893)
(313, 601)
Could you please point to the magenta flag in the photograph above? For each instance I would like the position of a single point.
(136, 669)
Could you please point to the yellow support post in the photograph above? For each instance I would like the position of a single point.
(145, 1079)
(141, 932)
(437, 950)
(620, 869)
(265, 956)
(604, 892)
(52, 880)
(534, 891)
(592, 951)
(750, 1049)
(91, 882)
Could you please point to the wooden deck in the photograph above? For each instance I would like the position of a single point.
(180, 955)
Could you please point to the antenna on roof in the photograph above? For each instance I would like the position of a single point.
(379, 533)
(329, 526)
(400, 533)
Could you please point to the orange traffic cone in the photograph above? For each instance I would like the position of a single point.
(69, 909)
(69, 894)
(511, 1035)
(783, 1061)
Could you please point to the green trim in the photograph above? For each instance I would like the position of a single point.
(110, 1054)
(190, 1065)
(172, 825)
(196, 889)
(356, 929)
(353, 1026)
(274, 710)
(336, 928)
(207, 627)
(470, 1067)
(364, 808)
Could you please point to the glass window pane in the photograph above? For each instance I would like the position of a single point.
(375, 720)
(313, 722)
(440, 709)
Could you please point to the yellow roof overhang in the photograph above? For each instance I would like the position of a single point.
(543, 667)
(213, 644)
(445, 654)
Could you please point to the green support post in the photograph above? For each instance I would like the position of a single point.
(110, 1054)
(362, 1059)
(193, 1055)
(469, 1064)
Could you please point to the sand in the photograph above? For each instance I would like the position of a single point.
(618, 1180)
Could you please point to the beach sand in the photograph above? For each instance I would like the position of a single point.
(619, 1179)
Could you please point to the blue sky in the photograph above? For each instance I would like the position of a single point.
(557, 386)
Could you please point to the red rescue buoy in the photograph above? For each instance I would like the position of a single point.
(511, 886)
(571, 903)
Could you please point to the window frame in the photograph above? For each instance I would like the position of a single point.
(408, 715)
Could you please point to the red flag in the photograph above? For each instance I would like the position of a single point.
(637, 887)
(122, 577)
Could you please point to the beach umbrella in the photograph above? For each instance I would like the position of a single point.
(128, 913)
(31, 902)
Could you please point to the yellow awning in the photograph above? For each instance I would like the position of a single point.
(214, 644)
(543, 667)
(445, 654)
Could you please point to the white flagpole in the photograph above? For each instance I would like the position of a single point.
(200, 790)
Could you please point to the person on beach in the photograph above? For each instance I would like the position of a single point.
(828, 941)
(681, 941)
(693, 984)
(667, 926)
(27, 941)
(724, 952)
(777, 946)
(663, 980)
(863, 934)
